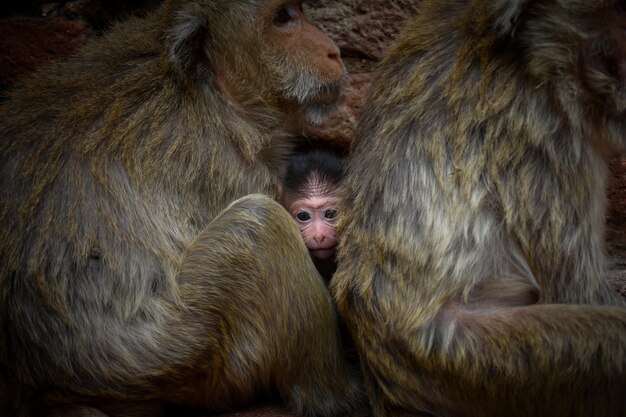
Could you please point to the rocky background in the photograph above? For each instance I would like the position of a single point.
(34, 33)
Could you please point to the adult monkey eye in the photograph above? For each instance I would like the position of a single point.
(303, 216)
(330, 213)
(284, 14)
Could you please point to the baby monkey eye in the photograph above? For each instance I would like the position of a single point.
(303, 216)
(330, 213)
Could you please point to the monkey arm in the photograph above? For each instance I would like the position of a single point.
(458, 359)
(550, 353)
(249, 279)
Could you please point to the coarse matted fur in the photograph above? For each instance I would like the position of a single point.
(471, 263)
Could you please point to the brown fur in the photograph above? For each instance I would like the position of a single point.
(471, 265)
(120, 290)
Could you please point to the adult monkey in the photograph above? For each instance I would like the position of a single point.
(472, 271)
(121, 288)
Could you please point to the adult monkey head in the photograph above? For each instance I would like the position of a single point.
(281, 59)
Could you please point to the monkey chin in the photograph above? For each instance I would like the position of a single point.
(318, 106)
(322, 254)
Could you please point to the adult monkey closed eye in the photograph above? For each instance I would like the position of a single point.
(471, 269)
(121, 288)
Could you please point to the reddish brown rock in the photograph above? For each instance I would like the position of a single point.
(29, 43)
(361, 29)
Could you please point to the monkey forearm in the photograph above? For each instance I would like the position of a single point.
(542, 356)
(540, 334)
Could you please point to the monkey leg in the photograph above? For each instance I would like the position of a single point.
(252, 292)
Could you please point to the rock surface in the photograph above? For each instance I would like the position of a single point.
(28, 43)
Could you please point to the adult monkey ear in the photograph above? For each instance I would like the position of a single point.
(185, 39)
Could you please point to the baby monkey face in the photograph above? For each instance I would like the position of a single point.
(316, 217)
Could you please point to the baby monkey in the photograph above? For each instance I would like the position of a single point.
(311, 196)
